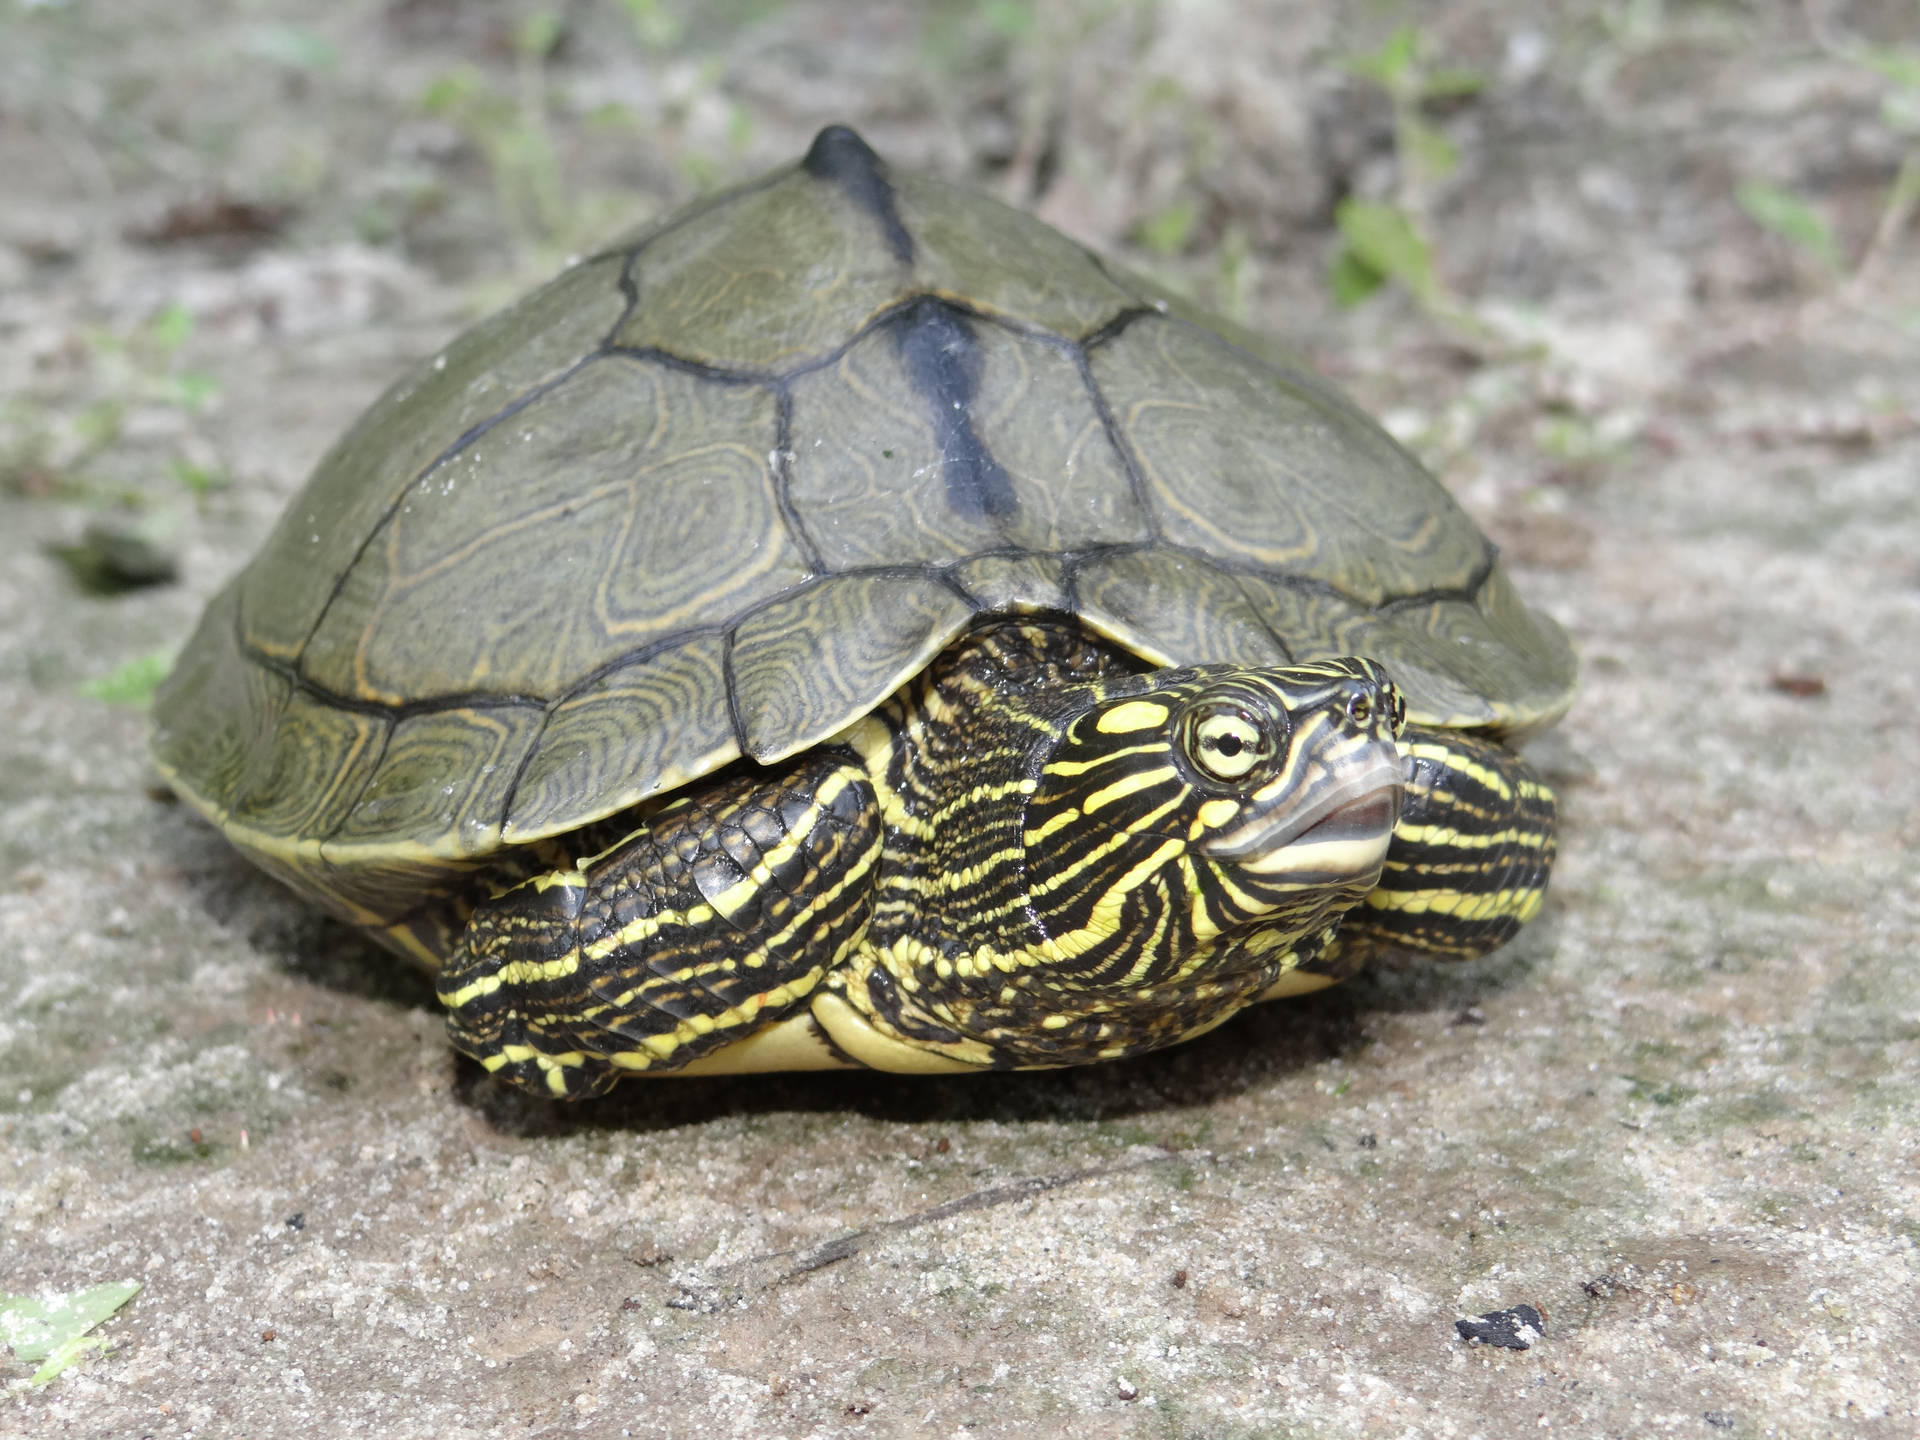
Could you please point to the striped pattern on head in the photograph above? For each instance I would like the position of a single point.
(1184, 806)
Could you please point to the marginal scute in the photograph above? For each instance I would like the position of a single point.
(645, 727)
(878, 481)
(308, 777)
(1244, 462)
(1535, 674)
(793, 690)
(442, 785)
(391, 887)
(1316, 622)
(1174, 609)
(1014, 584)
(561, 538)
(217, 712)
(471, 381)
(1487, 661)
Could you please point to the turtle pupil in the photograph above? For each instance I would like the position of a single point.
(1229, 746)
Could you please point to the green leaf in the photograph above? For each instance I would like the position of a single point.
(613, 115)
(56, 1330)
(1900, 66)
(192, 389)
(99, 423)
(66, 1354)
(1385, 240)
(1166, 232)
(1900, 112)
(1791, 218)
(1451, 81)
(1010, 18)
(538, 34)
(1351, 279)
(131, 684)
(654, 25)
(1162, 90)
(197, 478)
(739, 127)
(1391, 61)
(451, 91)
(171, 327)
(293, 46)
(1430, 152)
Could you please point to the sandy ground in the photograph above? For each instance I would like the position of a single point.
(1677, 1117)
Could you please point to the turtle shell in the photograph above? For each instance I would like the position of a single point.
(719, 490)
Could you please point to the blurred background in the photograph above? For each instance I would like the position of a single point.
(1639, 279)
(1540, 221)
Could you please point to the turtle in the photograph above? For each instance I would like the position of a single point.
(849, 624)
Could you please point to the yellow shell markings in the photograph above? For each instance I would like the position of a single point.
(398, 583)
(764, 560)
(1218, 530)
(798, 1042)
(611, 526)
(856, 1034)
(516, 352)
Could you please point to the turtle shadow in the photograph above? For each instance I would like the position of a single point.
(298, 940)
(1243, 1054)
(1264, 1046)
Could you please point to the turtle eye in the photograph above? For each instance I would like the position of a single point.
(1360, 709)
(1226, 743)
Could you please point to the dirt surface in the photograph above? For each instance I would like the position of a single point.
(1677, 1117)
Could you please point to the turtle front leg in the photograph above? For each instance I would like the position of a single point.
(1468, 863)
(708, 923)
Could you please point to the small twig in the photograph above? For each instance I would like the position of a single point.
(726, 1284)
(1899, 207)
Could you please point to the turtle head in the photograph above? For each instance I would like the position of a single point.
(1188, 804)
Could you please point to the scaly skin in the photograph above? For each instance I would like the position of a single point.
(1033, 856)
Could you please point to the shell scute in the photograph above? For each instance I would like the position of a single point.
(901, 456)
(646, 726)
(721, 489)
(560, 538)
(1246, 462)
(472, 381)
(792, 690)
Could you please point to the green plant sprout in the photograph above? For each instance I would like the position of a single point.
(51, 452)
(1387, 240)
(514, 126)
(513, 133)
(1793, 219)
(132, 684)
(293, 46)
(1785, 214)
(1900, 113)
(56, 1331)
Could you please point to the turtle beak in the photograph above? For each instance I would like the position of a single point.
(1337, 821)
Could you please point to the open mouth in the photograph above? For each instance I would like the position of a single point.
(1364, 806)
(1375, 813)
